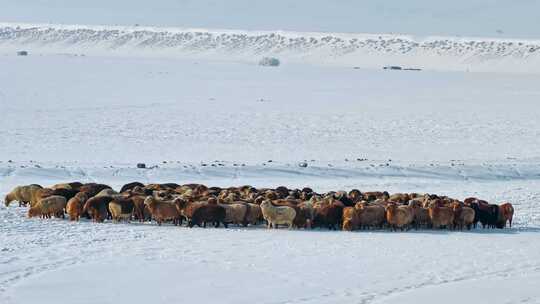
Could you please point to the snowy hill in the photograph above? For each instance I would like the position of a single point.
(363, 50)
(514, 19)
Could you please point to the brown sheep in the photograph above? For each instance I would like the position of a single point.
(162, 210)
(187, 207)
(75, 206)
(440, 215)
(92, 188)
(140, 212)
(52, 205)
(400, 198)
(370, 216)
(130, 186)
(399, 216)
(208, 213)
(463, 216)
(328, 215)
(254, 214)
(23, 194)
(121, 209)
(421, 214)
(506, 214)
(371, 196)
(97, 208)
(350, 219)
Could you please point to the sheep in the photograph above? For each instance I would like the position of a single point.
(106, 192)
(485, 213)
(371, 196)
(421, 214)
(140, 212)
(370, 215)
(400, 198)
(304, 211)
(23, 194)
(46, 207)
(440, 215)
(254, 214)
(75, 205)
(186, 207)
(307, 215)
(350, 219)
(355, 195)
(235, 213)
(130, 186)
(277, 215)
(121, 209)
(208, 213)
(162, 210)
(70, 186)
(463, 216)
(328, 215)
(92, 188)
(399, 216)
(506, 214)
(97, 208)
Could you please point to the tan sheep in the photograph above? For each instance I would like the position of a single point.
(61, 186)
(277, 215)
(440, 215)
(421, 214)
(350, 219)
(235, 213)
(162, 210)
(45, 208)
(399, 216)
(106, 192)
(22, 194)
(370, 216)
(463, 216)
(121, 209)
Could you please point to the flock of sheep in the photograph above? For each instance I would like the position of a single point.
(296, 208)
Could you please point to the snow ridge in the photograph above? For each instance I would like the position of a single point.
(337, 48)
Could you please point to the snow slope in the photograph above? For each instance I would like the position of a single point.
(54, 261)
(237, 112)
(363, 50)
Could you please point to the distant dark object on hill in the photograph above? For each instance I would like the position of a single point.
(141, 166)
(398, 68)
(22, 53)
(269, 61)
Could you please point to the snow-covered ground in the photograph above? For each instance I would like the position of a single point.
(91, 101)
